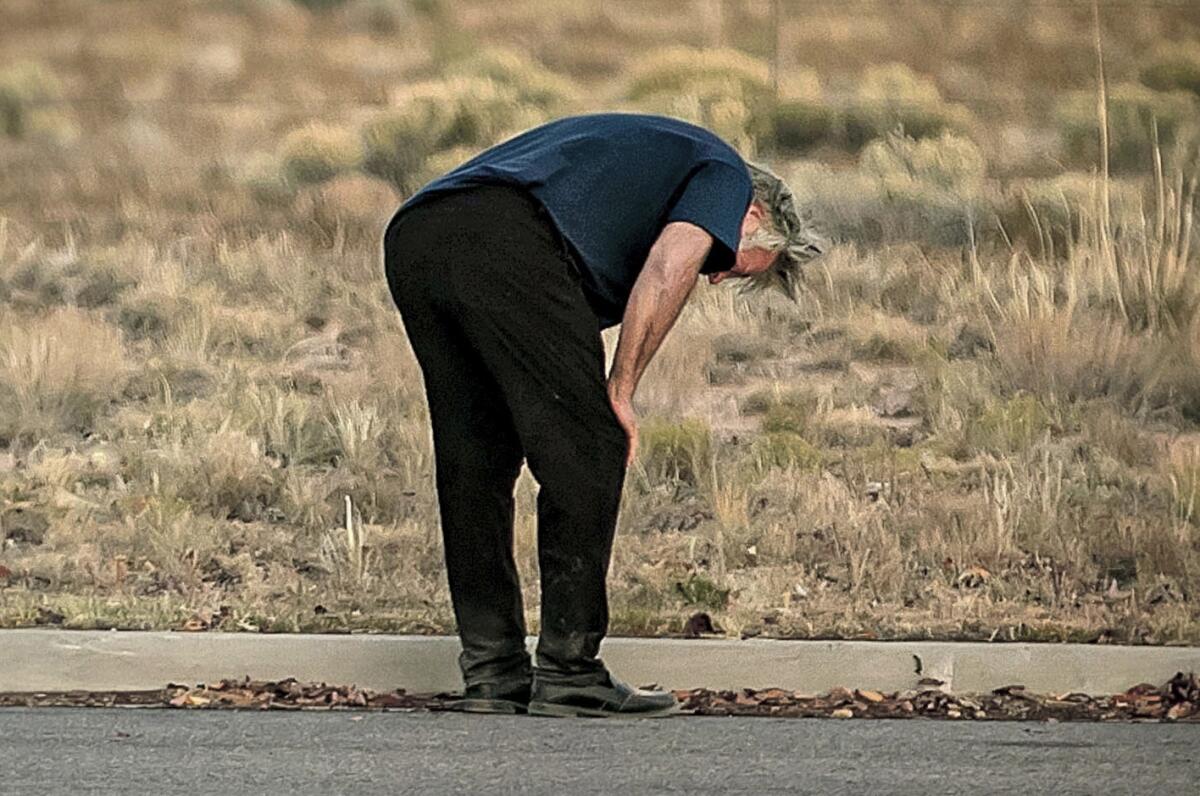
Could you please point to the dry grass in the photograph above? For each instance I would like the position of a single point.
(980, 419)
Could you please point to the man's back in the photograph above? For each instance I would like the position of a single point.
(611, 182)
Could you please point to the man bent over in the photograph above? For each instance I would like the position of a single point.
(505, 270)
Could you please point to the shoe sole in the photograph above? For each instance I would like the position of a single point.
(502, 706)
(570, 712)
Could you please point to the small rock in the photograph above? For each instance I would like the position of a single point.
(698, 624)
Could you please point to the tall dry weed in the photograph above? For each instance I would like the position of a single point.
(57, 371)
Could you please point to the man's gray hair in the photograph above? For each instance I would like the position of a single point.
(786, 231)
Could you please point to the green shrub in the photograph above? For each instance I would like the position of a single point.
(182, 382)
(1050, 214)
(859, 207)
(1106, 428)
(788, 422)
(530, 81)
(864, 122)
(100, 287)
(928, 190)
(49, 282)
(720, 106)
(950, 162)
(785, 449)
(891, 97)
(678, 70)
(317, 153)
(790, 414)
(1174, 68)
(1010, 426)
(702, 592)
(396, 144)
(726, 91)
(320, 5)
(797, 125)
(25, 89)
(1133, 110)
(738, 348)
(879, 346)
(882, 457)
(380, 17)
(911, 292)
(757, 402)
(262, 176)
(680, 451)
(445, 160)
(461, 112)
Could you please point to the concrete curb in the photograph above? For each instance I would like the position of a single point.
(62, 660)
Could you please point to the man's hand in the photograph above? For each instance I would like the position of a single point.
(623, 409)
(654, 303)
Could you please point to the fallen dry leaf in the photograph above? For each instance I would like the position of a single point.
(198, 622)
(1176, 700)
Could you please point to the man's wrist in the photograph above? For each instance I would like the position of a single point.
(618, 391)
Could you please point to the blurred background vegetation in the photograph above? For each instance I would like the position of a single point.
(980, 420)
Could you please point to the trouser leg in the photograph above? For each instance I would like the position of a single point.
(477, 459)
(522, 309)
(576, 452)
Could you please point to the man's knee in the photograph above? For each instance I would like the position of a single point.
(466, 468)
(588, 473)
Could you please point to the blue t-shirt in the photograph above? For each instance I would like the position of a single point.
(611, 182)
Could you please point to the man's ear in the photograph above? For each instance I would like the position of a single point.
(755, 214)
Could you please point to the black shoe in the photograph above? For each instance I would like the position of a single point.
(608, 698)
(510, 698)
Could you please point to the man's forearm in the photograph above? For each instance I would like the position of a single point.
(654, 305)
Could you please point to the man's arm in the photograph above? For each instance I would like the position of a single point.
(661, 290)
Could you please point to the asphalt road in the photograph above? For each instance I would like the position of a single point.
(51, 751)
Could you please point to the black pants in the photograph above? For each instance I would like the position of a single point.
(514, 369)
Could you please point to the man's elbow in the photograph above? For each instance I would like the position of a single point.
(683, 247)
